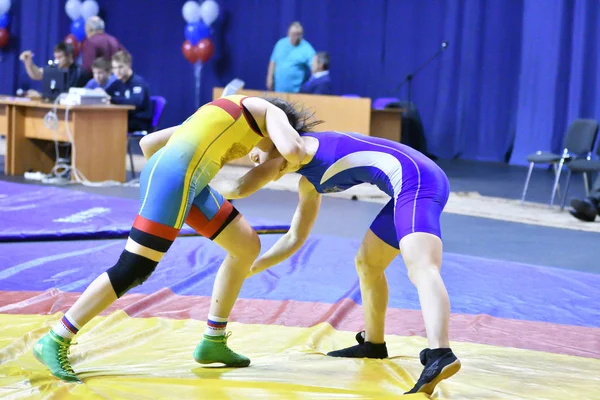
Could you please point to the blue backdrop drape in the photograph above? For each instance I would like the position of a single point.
(514, 75)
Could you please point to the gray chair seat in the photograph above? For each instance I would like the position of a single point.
(543, 157)
(583, 165)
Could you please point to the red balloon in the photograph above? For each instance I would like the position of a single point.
(4, 37)
(205, 50)
(72, 40)
(189, 52)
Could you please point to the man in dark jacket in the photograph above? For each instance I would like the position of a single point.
(130, 88)
(320, 81)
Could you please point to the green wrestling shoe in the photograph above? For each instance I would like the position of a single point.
(53, 351)
(214, 349)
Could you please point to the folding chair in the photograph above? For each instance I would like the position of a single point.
(158, 106)
(579, 140)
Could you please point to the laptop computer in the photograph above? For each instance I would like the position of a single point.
(54, 82)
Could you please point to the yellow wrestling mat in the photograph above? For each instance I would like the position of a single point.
(119, 357)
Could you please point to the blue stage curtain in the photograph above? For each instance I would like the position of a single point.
(467, 97)
(559, 76)
(544, 78)
(516, 72)
(36, 25)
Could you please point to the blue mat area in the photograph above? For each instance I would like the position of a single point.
(31, 212)
(323, 271)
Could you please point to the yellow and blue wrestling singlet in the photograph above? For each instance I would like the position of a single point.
(174, 184)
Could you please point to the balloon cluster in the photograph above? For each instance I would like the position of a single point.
(198, 46)
(79, 12)
(4, 20)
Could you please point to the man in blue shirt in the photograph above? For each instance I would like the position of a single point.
(103, 77)
(290, 63)
(130, 88)
(319, 82)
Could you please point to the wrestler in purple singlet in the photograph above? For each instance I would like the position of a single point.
(418, 188)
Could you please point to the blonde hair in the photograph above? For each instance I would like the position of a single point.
(122, 57)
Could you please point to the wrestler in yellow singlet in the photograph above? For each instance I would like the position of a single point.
(177, 176)
(173, 189)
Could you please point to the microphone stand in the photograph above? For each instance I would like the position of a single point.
(409, 78)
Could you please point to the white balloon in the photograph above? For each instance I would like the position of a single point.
(89, 8)
(4, 6)
(73, 9)
(210, 11)
(191, 12)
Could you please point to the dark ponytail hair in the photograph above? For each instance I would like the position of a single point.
(301, 119)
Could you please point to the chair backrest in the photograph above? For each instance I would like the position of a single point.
(382, 102)
(158, 103)
(581, 136)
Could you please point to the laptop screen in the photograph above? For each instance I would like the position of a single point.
(54, 82)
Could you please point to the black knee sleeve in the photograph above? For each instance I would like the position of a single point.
(130, 271)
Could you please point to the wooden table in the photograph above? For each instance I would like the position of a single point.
(338, 113)
(98, 134)
(387, 124)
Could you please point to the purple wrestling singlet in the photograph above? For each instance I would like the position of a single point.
(418, 188)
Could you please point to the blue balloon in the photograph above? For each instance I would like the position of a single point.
(196, 31)
(78, 29)
(4, 20)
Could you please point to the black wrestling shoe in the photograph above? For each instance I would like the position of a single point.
(360, 337)
(439, 364)
(583, 210)
(362, 350)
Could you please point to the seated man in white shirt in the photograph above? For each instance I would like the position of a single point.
(103, 77)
